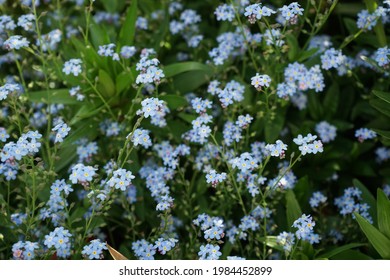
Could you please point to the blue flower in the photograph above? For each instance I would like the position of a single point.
(209, 252)
(72, 66)
(225, 12)
(15, 43)
(94, 250)
(317, 199)
(364, 134)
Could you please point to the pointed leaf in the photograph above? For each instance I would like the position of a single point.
(382, 95)
(126, 35)
(368, 198)
(115, 254)
(383, 213)
(181, 67)
(383, 133)
(381, 106)
(174, 101)
(106, 85)
(54, 96)
(339, 250)
(378, 240)
(293, 210)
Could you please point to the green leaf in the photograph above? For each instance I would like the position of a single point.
(367, 198)
(99, 35)
(293, 210)
(182, 67)
(331, 100)
(315, 107)
(86, 111)
(174, 101)
(381, 106)
(127, 32)
(383, 133)
(105, 84)
(377, 239)
(110, 5)
(339, 250)
(383, 213)
(187, 117)
(382, 95)
(293, 47)
(272, 242)
(123, 80)
(53, 96)
(273, 126)
(307, 54)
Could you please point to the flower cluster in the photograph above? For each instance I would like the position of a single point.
(57, 202)
(60, 239)
(332, 58)
(27, 144)
(326, 131)
(62, 130)
(72, 66)
(15, 42)
(309, 144)
(141, 137)
(317, 199)
(364, 134)
(108, 51)
(287, 240)
(305, 229)
(350, 202)
(277, 150)
(94, 250)
(121, 179)
(224, 12)
(164, 245)
(156, 109)
(214, 178)
(143, 250)
(187, 27)
(9, 88)
(257, 11)
(82, 174)
(260, 81)
(24, 250)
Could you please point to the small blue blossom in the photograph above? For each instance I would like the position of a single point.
(382, 154)
(225, 12)
(290, 13)
(15, 43)
(62, 130)
(9, 88)
(94, 250)
(121, 179)
(317, 199)
(60, 239)
(287, 240)
(209, 252)
(260, 81)
(143, 250)
(27, 22)
(332, 58)
(214, 178)
(128, 51)
(277, 150)
(141, 137)
(24, 250)
(305, 229)
(364, 134)
(326, 131)
(82, 174)
(165, 245)
(72, 66)
(382, 56)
